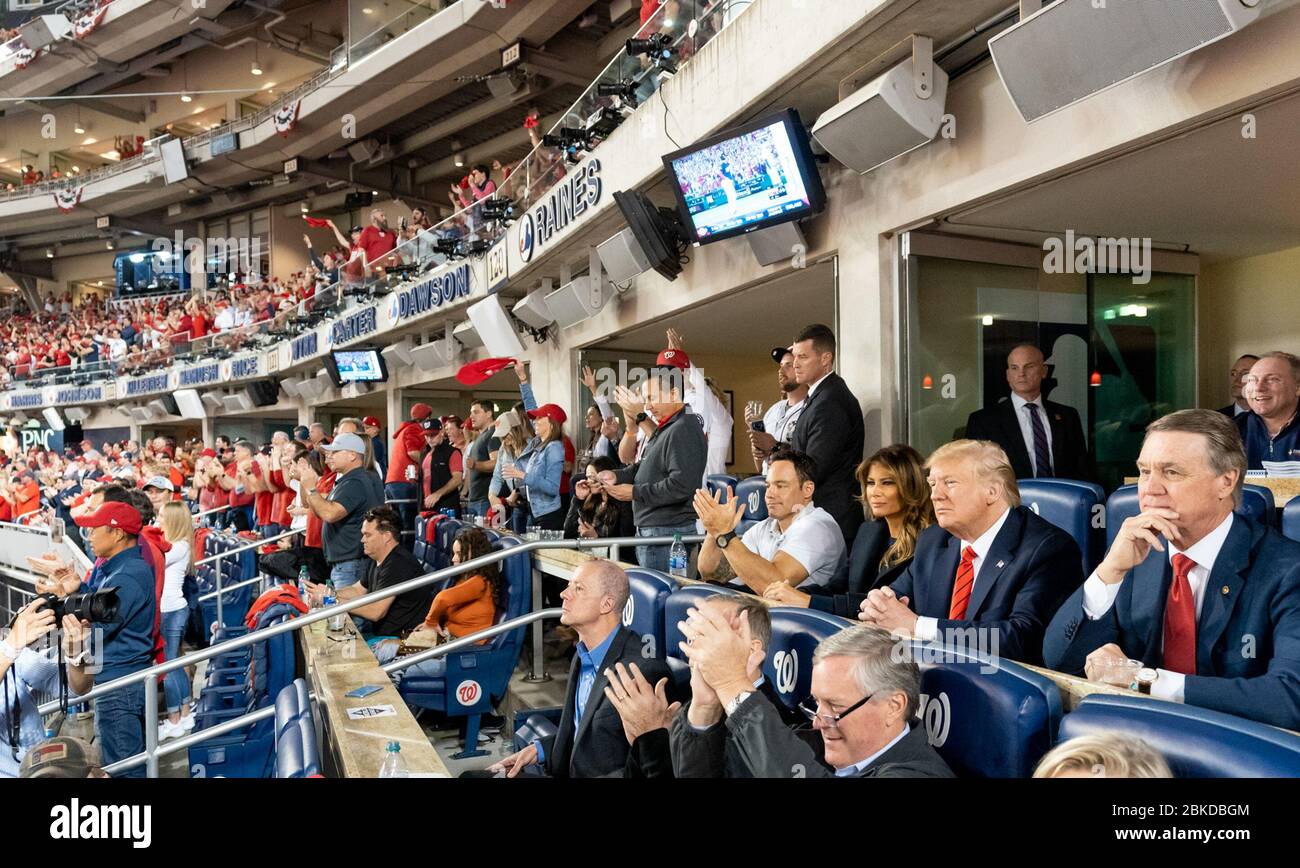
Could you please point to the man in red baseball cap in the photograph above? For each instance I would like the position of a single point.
(128, 641)
(400, 480)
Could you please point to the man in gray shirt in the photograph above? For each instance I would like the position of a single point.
(481, 457)
(356, 492)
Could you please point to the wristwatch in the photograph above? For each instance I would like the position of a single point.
(1145, 678)
(641, 417)
(735, 703)
(724, 540)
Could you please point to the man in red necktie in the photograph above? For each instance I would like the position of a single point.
(1207, 599)
(991, 573)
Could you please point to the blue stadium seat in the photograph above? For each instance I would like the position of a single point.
(1196, 742)
(751, 491)
(1256, 503)
(795, 633)
(1291, 519)
(419, 547)
(718, 483)
(1071, 506)
(644, 612)
(297, 752)
(986, 719)
(536, 723)
(476, 678)
(675, 608)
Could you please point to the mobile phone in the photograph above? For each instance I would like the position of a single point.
(758, 426)
(362, 692)
(56, 532)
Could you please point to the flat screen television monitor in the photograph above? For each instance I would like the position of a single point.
(747, 179)
(357, 365)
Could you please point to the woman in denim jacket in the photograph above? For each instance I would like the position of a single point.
(540, 466)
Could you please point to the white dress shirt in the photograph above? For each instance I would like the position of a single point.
(813, 387)
(856, 768)
(1027, 430)
(927, 629)
(1098, 596)
(715, 418)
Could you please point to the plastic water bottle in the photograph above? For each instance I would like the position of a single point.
(393, 765)
(677, 559)
(303, 578)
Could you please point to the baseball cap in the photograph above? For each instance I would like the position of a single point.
(113, 514)
(507, 420)
(370, 422)
(673, 359)
(432, 425)
(301, 433)
(476, 372)
(160, 482)
(778, 353)
(59, 757)
(347, 443)
(551, 411)
(209, 453)
(421, 411)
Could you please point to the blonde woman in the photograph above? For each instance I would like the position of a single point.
(178, 528)
(1105, 755)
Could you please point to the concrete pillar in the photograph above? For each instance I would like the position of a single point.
(394, 409)
(209, 430)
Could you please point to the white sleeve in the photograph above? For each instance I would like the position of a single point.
(1098, 596)
(603, 406)
(177, 554)
(1169, 685)
(927, 629)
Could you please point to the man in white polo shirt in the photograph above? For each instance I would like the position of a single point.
(798, 543)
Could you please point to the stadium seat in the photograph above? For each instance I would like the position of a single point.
(674, 613)
(1257, 502)
(476, 678)
(1291, 519)
(751, 491)
(1074, 508)
(297, 753)
(536, 723)
(1196, 742)
(419, 547)
(644, 612)
(987, 720)
(795, 633)
(719, 483)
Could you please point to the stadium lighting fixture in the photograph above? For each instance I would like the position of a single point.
(185, 97)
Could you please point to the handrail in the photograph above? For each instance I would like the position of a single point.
(204, 512)
(253, 581)
(253, 545)
(467, 641)
(160, 669)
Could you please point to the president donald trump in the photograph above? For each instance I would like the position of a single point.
(1208, 599)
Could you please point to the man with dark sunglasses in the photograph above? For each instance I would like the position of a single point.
(863, 703)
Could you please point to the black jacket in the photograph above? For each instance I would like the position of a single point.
(830, 430)
(600, 748)
(865, 572)
(766, 748)
(619, 519)
(1069, 448)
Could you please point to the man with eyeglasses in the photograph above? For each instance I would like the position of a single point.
(1270, 431)
(863, 703)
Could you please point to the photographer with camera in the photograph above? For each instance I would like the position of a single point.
(26, 674)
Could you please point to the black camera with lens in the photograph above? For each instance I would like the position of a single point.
(97, 607)
(655, 45)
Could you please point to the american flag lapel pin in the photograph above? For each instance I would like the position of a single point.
(1001, 564)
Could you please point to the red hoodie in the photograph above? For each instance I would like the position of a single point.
(154, 548)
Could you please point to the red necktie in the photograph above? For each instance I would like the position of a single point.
(1180, 620)
(961, 588)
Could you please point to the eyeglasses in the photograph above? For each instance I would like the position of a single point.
(831, 721)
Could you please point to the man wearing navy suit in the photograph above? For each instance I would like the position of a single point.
(989, 563)
(1041, 437)
(1216, 612)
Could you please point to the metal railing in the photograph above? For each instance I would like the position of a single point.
(393, 666)
(237, 551)
(158, 670)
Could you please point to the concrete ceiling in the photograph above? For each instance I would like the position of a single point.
(1211, 192)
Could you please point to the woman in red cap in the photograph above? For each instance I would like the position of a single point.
(540, 466)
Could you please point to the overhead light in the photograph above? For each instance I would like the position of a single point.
(305, 209)
(988, 320)
(185, 97)
(79, 129)
(108, 245)
(460, 161)
(137, 258)
(76, 168)
(366, 10)
(257, 68)
(49, 253)
(374, 192)
(100, 282)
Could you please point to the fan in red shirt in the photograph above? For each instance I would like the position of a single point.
(377, 240)
(403, 467)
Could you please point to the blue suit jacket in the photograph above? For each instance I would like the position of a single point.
(1031, 569)
(1247, 636)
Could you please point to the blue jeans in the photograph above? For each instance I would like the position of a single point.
(119, 725)
(266, 531)
(478, 507)
(176, 684)
(406, 511)
(656, 557)
(348, 572)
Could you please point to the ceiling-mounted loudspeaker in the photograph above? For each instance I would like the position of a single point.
(264, 393)
(465, 333)
(18, 418)
(308, 388)
(885, 118)
(493, 325)
(289, 385)
(623, 257)
(213, 400)
(190, 404)
(52, 419)
(504, 86)
(1072, 49)
(433, 355)
(532, 310)
(398, 354)
(77, 415)
(142, 414)
(580, 298)
(238, 403)
(159, 408)
(43, 30)
(363, 150)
